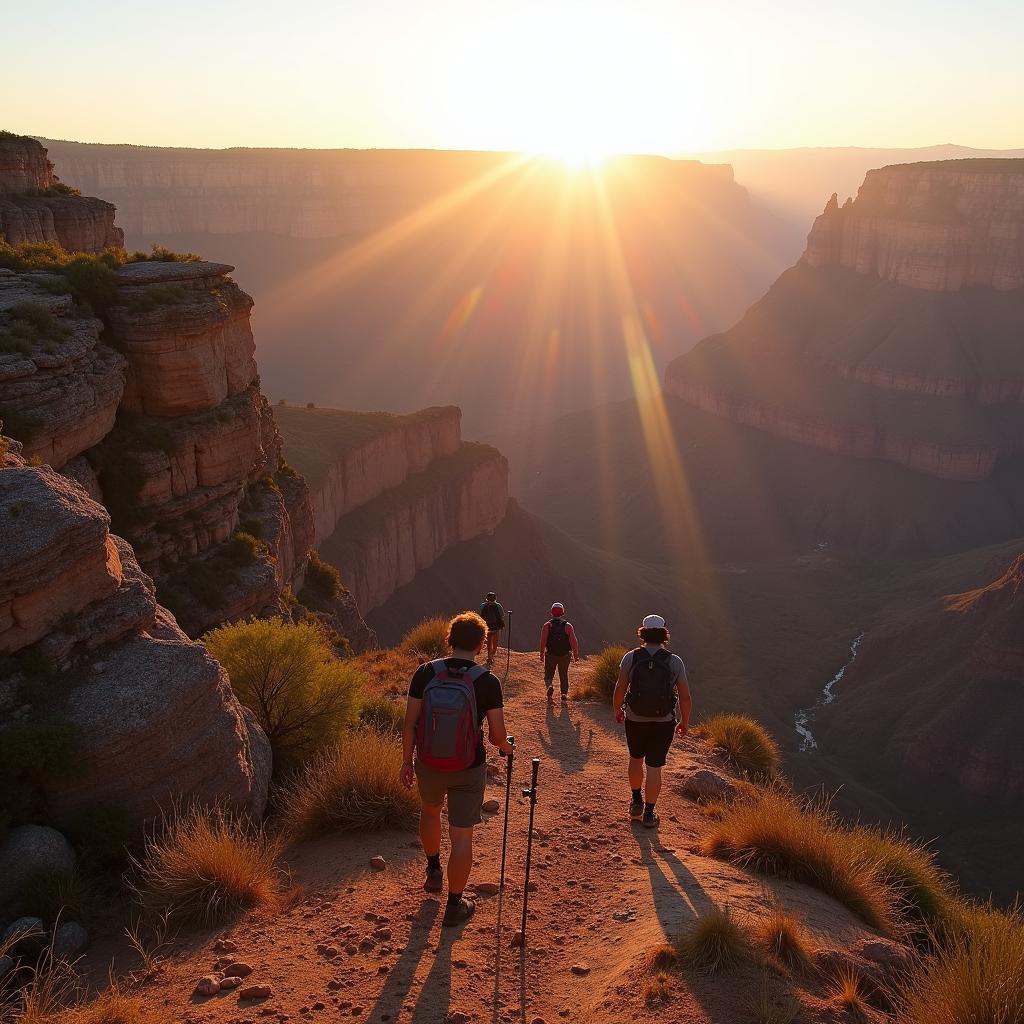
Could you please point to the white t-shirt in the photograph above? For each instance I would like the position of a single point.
(678, 670)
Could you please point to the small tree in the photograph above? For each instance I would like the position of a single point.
(288, 675)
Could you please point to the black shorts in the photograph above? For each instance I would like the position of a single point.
(650, 740)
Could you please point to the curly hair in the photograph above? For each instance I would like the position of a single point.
(466, 631)
(654, 635)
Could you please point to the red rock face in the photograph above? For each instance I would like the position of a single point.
(897, 336)
(23, 165)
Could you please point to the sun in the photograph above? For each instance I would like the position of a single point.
(579, 157)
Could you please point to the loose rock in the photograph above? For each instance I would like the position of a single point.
(237, 969)
(704, 784)
(491, 806)
(70, 940)
(230, 981)
(581, 970)
(208, 986)
(256, 992)
(378, 863)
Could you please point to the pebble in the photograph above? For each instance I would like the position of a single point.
(256, 992)
(237, 969)
(581, 970)
(208, 986)
(225, 946)
(517, 940)
(490, 806)
(230, 981)
(334, 985)
(378, 863)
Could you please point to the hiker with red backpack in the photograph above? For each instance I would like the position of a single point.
(448, 701)
(652, 699)
(558, 647)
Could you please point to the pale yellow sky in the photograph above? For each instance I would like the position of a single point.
(548, 76)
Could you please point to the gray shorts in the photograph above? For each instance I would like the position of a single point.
(465, 792)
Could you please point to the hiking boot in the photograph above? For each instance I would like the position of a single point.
(434, 882)
(551, 693)
(650, 819)
(458, 913)
(636, 810)
(564, 695)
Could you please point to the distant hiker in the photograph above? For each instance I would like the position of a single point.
(448, 702)
(652, 697)
(494, 615)
(558, 646)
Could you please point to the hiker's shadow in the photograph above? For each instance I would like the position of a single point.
(399, 979)
(434, 999)
(678, 896)
(564, 739)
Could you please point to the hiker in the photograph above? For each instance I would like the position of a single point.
(558, 646)
(448, 702)
(652, 698)
(494, 615)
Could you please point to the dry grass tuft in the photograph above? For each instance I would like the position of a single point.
(353, 788)
(765, 1009)
(112, 1006)
(785, 939)
(205, 866)
(849, 993)
(747, 745)
(978, 976)
(658, 991)
(604, 674)
(664, 958)
(715, 943)
(388, 669)
(774, 834)
(428, 640)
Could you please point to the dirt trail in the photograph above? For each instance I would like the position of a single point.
(367, 945)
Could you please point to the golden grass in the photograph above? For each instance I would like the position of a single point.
(663, 958)
(747, 745)
(354, 787)
(772, 833)
(715, 943)
(428, 640)
(388, 670)
(205, 866)
(848, 988)
(977, 977)
(785, 939)
(604, 674)
(658, 990)
(112, 1006)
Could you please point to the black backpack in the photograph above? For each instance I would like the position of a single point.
(558, 638)
(490, 611)
(652, 685)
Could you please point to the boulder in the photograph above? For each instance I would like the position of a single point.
(26, 851)
(704, 784)
(26, 935)
(70, 941)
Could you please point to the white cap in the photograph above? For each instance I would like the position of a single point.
(653, 622)
(558, 608)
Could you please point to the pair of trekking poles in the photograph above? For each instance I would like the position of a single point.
(531, 792)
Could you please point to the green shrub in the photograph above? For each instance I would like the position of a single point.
(353, 788)
(91, 277)
(428, 640)
(747, 745)
(288, 675)
(322, 578)
(605, 673)
(204, 866)
(242, 549)
(383, 714)
(30, 326)
(161, 254)
(715, 943)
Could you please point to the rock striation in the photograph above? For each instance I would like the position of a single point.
(897, 336)
(35, 207)
(151, 715)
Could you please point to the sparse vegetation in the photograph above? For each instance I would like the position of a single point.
(114, 1005)
(848, 987)
(658, 990)
(605, 673)
(771, 832)
(322, 579)
(28, 326)
(90, 278)
(784, 939)
(715, 943)
(764, 1009)
(204, 866)
(352, 788)
(383, 714)
(428, 640)
(56, 894)
(161, 254)
(287, 674)
(155, 295)
(747, 745)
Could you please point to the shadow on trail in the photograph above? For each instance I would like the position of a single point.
(564, 740)
(399, 979)
(678, 896)
(434, 999)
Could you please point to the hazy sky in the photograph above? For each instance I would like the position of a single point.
(647, 75)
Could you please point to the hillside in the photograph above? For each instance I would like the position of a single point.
(400, 263)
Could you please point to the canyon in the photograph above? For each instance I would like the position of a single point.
(392, 493)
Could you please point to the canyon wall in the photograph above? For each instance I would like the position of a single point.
(897, 336)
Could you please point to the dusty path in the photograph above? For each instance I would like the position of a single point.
(368, 945)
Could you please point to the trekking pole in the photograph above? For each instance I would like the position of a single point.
(508, 656)
(508, 791)
(532, 794)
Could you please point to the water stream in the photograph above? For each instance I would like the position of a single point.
(804, 718)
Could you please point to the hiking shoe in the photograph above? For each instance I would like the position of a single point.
(551, 693)
(434, 882)
(650, 819)
(458, 913)
(565, 695)
(636, 810)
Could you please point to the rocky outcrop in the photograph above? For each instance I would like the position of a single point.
(59, 381)
(939, 226)
(35, 207)
(152, 716)
(381, 546)
(350, 458)
(897, 336)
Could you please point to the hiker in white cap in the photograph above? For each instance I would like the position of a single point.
(652, 698)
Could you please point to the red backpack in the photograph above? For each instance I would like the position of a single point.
(448, 730)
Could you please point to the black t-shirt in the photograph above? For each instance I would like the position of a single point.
(486, 687)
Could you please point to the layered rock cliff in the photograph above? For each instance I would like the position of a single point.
(89, 656)
(392, 493)
(897, 336)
